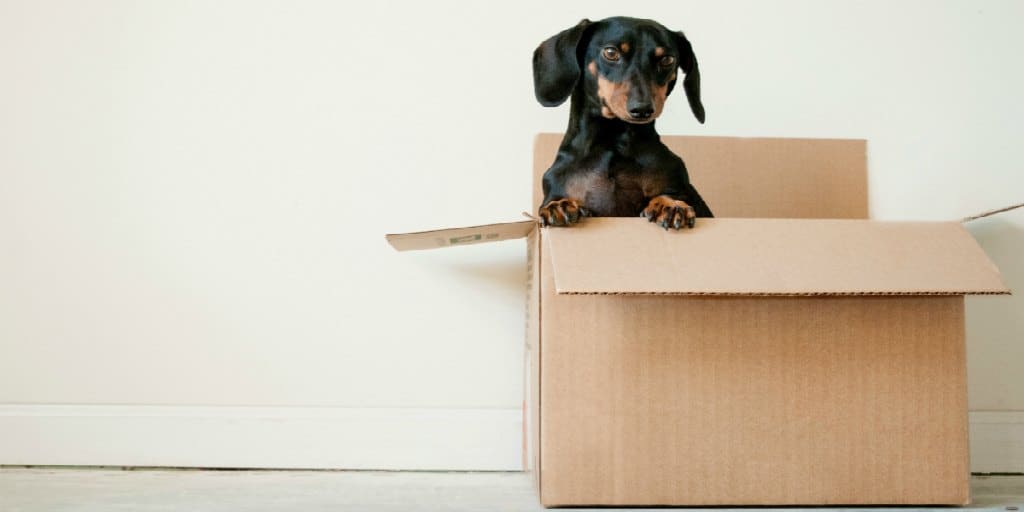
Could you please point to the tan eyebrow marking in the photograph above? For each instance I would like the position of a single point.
(659, 51)
(624, 47)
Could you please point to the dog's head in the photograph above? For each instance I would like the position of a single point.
(626, 67)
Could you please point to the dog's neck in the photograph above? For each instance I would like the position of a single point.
(588, 130)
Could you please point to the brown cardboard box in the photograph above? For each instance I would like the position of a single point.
(784, 353)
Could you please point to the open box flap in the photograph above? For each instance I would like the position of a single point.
(770, 257)
(438, 238)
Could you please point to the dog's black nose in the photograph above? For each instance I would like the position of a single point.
(641, 111)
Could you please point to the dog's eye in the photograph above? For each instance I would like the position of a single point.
(610, 53)
(667, 61)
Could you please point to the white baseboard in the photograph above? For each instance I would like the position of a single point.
(262, 437)
(997, 441)
(330, 438)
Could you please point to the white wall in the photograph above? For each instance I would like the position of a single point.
(193, 195)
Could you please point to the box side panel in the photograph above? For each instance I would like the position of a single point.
(553, 317)
(958, 373)
(754, 401)
(532, 367)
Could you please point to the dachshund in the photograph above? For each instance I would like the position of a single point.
(611, 163)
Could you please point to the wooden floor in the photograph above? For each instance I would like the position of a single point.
(95, 490)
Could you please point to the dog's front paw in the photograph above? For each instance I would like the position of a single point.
(561, 212)
(670, 213)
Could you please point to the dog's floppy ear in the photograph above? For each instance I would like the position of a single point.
(691, 84)
(556, 66)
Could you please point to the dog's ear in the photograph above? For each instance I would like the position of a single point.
(556, 65)
(691, 84)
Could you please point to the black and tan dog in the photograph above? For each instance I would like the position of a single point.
(619, 72)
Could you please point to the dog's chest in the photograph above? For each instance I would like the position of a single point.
(617, 190)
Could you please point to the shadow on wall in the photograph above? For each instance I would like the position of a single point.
(995, 325)
(507, 275)
(496, 270)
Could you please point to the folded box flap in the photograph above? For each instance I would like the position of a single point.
(448, 237)
(770, 257)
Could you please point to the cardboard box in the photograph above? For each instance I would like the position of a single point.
(787, 352)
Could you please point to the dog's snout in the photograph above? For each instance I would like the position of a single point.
(641, 110)
(640, 105)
